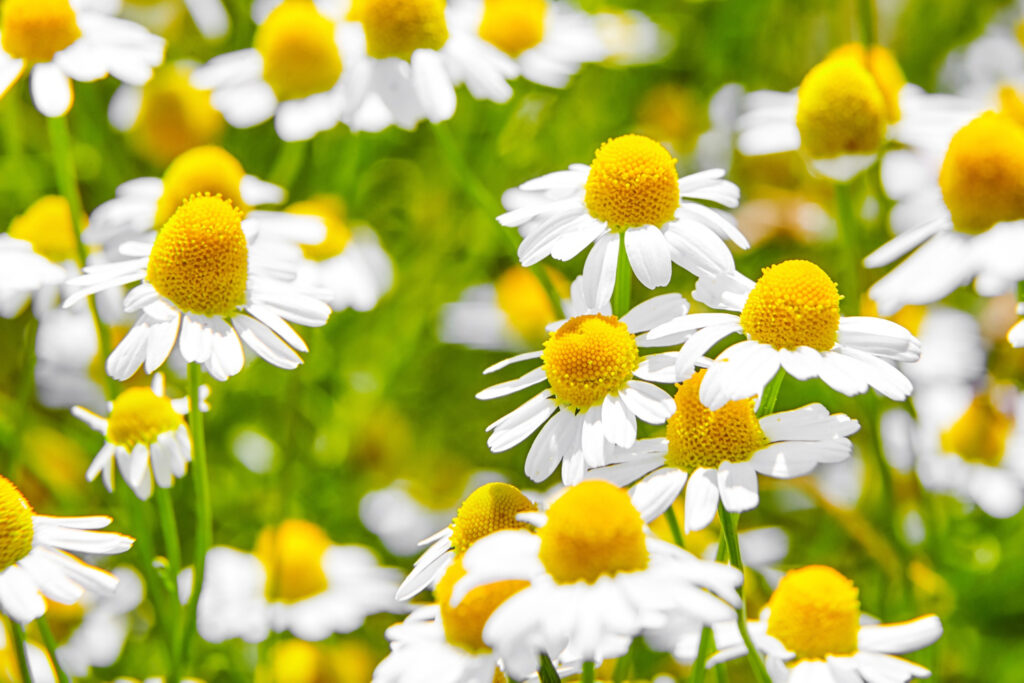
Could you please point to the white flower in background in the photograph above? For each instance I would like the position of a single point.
(595, 579)
(720, 453)
(63, 40)
(631, 38)
(204, 291)
(595, 391)
(630, 193)
(34, 561)
(296, 580)
(548, 39)
(145, 436)
(790, 318)
(812, 630)
(163, 16)
(39, 665)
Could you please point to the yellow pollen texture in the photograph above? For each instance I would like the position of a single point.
(300, 55)
(698, 437)
(794, 303)
(16, 530)
(490, 508)
(840, 109)
(200, 258)
(980, 434)
(332, 211)
(397, 28)
(174, 117)
(593, 530)
(632, 182)
(207, 169)
(46, 225)
(36, 30)
(464, 625)
(982, 176)
(815, 611)
(139, 416)
(292, 553)
(513, 26)
(882, 65)
(588, 358)
(523, 299)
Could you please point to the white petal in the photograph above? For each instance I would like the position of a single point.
(599, 271)
(737, 483)
(656, 492)
(906, 636)
(51, 90)
(701, 499)
(648, 254)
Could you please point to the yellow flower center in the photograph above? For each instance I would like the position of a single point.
(139, 416)
(794, 303)
(593, 530)
(841, 109)
(36, 30)
(982, 176)
(174, 117)
(292, 553)
(980, 434)
(815, 612)
(513, 26)
(490, 508)
(300, 55)
(397, 28)
(200, 258)
(589, 357)
(330, 209)
(1010, 103)
(297, 661)
(208, 169)
(884, 68)
(46, 225)
(698, 437)
(632, 182)
(523, 299)
(464, 625)
(16, 530)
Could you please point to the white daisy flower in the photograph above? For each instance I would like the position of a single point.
(790, 318)
(595, 578)
(968, 220)
(204, 291)
(298, 581)
(548, 39)
(34, 562)
(166, 16)
(721, 452)
(299, 71)
(490, 508)
(631, 194)
(145, 436)
(595, 392)
(61, 40)
(144, 204)
(812, 630)
(632, 38)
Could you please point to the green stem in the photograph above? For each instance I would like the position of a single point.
(733, 543)
(288, 163)
(204, 518)
(588, 673)
(770, 395)
(18, 635)
(51, 647)
(548, 673)
(623, 280)
(623, 666)
(867, 21)
(707, 636)
(673, 525)
(850, 245)
(172, 546)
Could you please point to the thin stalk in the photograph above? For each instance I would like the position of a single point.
(624, 665)
(733, 543)
(850, 245)
(204, 518)
(623, 281)
(707, 637)
(588, 673)
(770, 395)
(673, 525)
(18, 636)
(51, 647)
(548, 673)
(172, 546)
(867, 21)
(288, 163)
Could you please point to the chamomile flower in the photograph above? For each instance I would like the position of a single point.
(595, 389)
(204, 291)
(548, 39)
(297, 580)
(34, 561)
(145, 436)
(811, 630)
(164, 16)
(968, 220)
(721, 452)
(63, 40)
(298, 71)
(790, 318)
(490, 508)
(631, 192)
(144, 204)
(596, 580)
